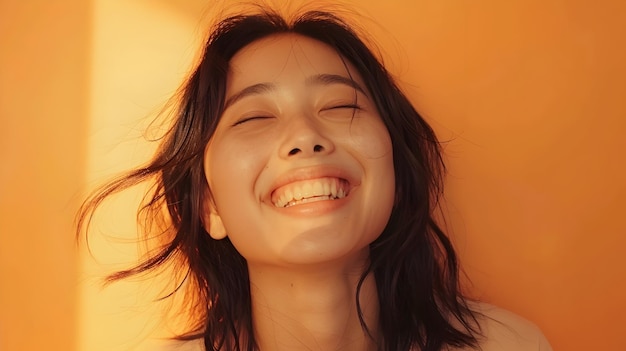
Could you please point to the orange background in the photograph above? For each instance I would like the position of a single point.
(528, 94)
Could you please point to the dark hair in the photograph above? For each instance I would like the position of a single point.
(413, 261)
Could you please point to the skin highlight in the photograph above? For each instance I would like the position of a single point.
(371, 270)
(303, 273)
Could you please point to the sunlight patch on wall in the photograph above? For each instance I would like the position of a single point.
(141, 53)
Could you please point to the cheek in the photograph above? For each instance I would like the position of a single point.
(370, 138)
(230, 169)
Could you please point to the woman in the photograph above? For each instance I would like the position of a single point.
(299, 184)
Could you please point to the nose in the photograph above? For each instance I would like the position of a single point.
(304, 137)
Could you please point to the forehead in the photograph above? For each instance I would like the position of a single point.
(286, 56)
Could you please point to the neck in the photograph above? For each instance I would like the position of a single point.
(310, 308)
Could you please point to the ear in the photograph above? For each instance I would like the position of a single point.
(216, 226)
(213, 222)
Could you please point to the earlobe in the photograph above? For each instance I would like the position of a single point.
(213, 222)
(216, 227)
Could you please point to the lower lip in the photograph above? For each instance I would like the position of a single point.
(315, 208)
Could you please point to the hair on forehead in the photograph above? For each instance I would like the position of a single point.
(413, 261)
(354, 18)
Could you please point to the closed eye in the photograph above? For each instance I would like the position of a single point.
(349, 106)
(248, 119)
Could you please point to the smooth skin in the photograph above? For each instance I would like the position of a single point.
(298, 114)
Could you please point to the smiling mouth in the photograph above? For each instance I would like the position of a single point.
(307, 191)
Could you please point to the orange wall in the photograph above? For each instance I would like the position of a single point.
(141, 52)
(44, 49)
(528, 92)
(531, 96)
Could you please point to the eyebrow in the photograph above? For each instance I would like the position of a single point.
(255, 89)
(328, 79)
(318, 79)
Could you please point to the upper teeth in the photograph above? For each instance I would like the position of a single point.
(310, 190)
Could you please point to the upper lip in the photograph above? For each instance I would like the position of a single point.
(312, 172)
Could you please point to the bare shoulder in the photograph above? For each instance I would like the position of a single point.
(504, 330)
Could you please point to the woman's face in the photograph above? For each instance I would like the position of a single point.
(300, 166)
